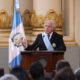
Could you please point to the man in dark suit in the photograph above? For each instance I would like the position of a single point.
(49, 40)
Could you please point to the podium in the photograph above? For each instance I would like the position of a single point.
(50, 56)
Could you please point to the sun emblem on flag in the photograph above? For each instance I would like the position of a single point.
(17, 39)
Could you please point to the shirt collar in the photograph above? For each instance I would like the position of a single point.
(50, 35)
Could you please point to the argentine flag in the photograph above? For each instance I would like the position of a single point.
(16, 37)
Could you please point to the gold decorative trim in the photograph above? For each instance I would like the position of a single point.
(26, 16)
(73, 44)
(4, 19)
(33, 21)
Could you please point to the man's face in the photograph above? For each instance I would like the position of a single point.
(48, 27)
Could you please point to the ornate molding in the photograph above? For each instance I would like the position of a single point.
(5, 19)
(26, 16)
(38, 20)
(32, 22)
(31, 18)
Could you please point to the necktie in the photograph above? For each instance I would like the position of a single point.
(48, 36)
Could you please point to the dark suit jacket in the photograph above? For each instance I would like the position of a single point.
(56, 39)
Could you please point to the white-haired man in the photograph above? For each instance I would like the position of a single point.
(48, 40)
(9, 77)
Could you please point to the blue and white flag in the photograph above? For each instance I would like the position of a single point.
(16, 37)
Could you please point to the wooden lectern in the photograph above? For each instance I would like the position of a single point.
(51, 57)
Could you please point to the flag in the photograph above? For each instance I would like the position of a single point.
(16, 37)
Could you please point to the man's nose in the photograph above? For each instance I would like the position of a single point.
(46, 26)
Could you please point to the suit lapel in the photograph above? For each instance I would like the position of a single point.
(52, 38)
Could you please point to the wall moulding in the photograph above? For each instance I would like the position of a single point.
(33, 24)
(70, 39)
(31, 21)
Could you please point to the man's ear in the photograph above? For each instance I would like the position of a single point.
(44, 71)
(54, 73)
(30, 77)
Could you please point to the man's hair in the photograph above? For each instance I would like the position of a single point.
(20, 73)
(36, 70)
(77, 73)
(52, 22)
(8, 77)
(65, 74)
(1, 72)
(62, 64)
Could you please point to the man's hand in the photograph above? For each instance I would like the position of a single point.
(24, 43)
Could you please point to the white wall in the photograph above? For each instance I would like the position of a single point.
(26, 4)
(42, 6)
(4, 59)
(6, 5)
(72, 55)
